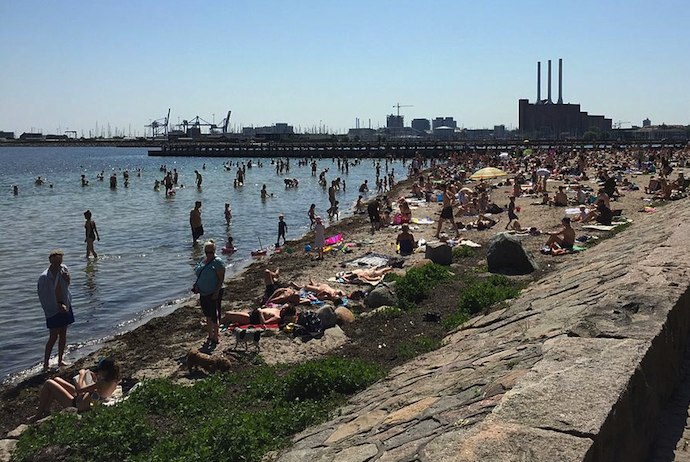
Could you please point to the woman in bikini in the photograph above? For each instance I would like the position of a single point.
(90, 387)
(91, 234)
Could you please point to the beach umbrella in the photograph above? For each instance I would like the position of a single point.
(487, 173)
(543, 171)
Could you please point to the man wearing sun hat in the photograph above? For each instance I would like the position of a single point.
(56, 301)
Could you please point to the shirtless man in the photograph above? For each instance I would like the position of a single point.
(447, 211)
(564, 238)
(195, 222)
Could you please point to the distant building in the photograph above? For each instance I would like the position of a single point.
(500, 132)
(646, 123)
(362, 134)
(421, 125)
(547, 120)
(26, 136)
(394, 121)
(6, 135)
(439, 122)
(273, 130)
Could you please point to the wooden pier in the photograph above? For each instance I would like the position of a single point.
(398, 149)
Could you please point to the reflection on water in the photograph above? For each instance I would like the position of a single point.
(90, 271)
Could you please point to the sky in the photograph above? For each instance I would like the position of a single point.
(319, 65)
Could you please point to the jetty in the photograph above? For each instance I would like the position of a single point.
(360, 149)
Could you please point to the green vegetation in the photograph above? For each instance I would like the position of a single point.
(480, 295)
(224, 417)
(417, 283)
(462, 251)
(387, 312)
(417, 346)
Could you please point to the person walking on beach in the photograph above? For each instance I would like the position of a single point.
(319, 237)
(447, 212)
(91, 234)
(282, 229)
(210, 274)
(195, 222)
(56, 301)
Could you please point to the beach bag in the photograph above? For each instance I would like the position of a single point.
(308, 325)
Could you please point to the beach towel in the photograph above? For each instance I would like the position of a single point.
(345, 277)
(374, 260)
(468, 243)
(334, 239)
(232, 327)
(422, 221)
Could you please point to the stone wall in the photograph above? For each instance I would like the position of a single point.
(576, 369)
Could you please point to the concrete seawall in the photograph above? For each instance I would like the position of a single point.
(577, 368)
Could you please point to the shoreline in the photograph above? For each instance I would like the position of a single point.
(155, 348)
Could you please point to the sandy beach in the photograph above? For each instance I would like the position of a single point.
(158, 348)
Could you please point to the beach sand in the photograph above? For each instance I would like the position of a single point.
(157, 349)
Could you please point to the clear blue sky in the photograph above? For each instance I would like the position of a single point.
(73, 64)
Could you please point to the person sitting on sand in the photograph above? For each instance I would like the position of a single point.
(406, 241)
(560, 199)
(280, 315)
(563, 238)
(90, 387)
(405, 211)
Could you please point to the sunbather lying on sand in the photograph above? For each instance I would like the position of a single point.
(261, 316)
(371, 276)
(323, 291)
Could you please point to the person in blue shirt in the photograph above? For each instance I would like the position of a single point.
(56, 301)
(210, 273)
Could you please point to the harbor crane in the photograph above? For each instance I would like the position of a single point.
(159, 126)
(197, 122)
(398, 106)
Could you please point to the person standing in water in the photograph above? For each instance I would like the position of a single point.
(56, 301)
(199, 179)
(282, 229)
(195, 222)
(228, 214)
(91, 234)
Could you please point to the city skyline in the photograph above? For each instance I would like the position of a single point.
(323, 65)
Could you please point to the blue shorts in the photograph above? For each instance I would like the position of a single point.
(60, 320)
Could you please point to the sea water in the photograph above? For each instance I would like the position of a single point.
(145, 255)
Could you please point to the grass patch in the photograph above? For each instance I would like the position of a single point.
(463, 251)
(387, 312)
(417, 346)
(224, 417)
(417, 283)
(479, 295)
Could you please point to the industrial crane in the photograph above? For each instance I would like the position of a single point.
(398, 106)
(159, 124)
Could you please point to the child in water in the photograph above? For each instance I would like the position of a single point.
(228, 213)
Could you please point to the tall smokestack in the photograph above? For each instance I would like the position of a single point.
(538, 82)
(548, 99)
(560, 80)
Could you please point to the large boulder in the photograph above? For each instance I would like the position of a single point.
(506, 255)
(344, 315)
(439, 253)
(327, 316)
(382, 294)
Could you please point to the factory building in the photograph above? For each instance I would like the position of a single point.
(548, 120)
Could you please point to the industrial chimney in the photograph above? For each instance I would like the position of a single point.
(560, 80)
(538, 82)
(548, 99)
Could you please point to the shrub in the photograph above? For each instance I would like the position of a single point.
(417, 283)
(331, 375)
(480, 295)
(463, 251)
(417, 346)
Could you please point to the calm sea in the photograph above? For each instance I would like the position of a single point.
(145, 254)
